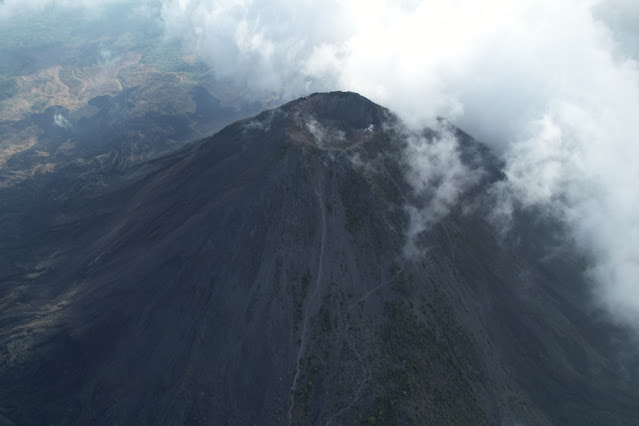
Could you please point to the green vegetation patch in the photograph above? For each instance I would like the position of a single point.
(38, 30)
(8, 87)
(39, 104)
(422, 381)
(168, 57)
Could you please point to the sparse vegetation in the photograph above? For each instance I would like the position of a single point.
(71, 81)
(170, 58)
(414, 390)
(8, 87)
(39, 104)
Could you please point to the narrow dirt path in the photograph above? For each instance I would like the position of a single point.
(307, 309)
(364, 297)
(361, 383)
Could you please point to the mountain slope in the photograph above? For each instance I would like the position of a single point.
(261, 277)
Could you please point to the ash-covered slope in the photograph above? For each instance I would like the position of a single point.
(260, 277)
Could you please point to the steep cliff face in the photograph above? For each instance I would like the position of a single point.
(261, 277)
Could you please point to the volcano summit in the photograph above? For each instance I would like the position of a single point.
(262, 276)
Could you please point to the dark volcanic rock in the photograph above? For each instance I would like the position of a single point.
(259, 277)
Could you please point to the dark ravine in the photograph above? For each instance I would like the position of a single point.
(259, 277)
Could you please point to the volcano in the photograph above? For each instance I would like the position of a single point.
(261, 276)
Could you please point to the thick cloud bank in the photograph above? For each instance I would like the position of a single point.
(551, 85)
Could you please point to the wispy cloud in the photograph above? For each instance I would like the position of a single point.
(61, 121)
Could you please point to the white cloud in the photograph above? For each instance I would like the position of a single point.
(552, 86)
(61, 121)
(260, 44)
(438, 177)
